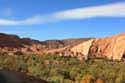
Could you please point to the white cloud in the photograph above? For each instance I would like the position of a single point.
(109, 10)
(7, 22)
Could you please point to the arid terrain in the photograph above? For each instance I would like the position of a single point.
(84, 60)
(111, 47)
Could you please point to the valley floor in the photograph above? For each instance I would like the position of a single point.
(56, 69)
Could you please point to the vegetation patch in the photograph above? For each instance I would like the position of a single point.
(62, 69)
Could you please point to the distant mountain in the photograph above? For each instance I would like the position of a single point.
(9, 41)
(13, 44)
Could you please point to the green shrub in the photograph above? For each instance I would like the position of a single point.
(66, 69)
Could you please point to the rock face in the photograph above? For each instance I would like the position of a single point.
(101, 47)
(82, 49)
(110, 47)
(118, 51)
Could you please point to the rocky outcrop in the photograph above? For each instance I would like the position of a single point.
(82, 49)
(118, 50)
(101, 46)
(110, 47)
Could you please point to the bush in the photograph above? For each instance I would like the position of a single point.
(23, 67)
(88, 79)
(66, 69)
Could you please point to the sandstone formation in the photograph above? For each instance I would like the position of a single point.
(82, 49)
(118, 51)
(112, 47)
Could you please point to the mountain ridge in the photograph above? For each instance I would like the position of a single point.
(13, 43)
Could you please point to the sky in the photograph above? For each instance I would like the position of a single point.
(62, 19)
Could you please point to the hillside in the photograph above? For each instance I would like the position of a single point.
(111, 47)
(13, 44)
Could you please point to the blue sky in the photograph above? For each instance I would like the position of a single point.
(60, 19)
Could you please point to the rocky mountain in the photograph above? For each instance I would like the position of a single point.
(13, 44)
(12, 41)
(112, 47)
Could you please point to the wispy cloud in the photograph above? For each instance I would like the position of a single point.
(109, 10)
